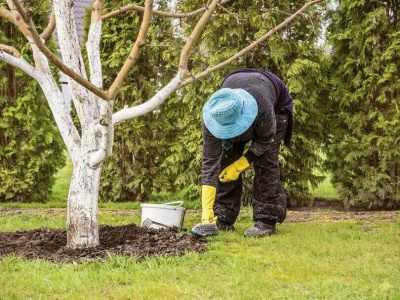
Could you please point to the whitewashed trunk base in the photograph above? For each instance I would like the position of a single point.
(82, 227)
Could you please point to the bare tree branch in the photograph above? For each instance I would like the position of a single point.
(234, 15)
(10, 50)
(130, 62)
(49, 86)
(21, 10)
(53, 58)
(62, 118)
(153, 103)
(201, 24)
(93, 46)
(15, 19)
(50, 27)
(133, 56)
(20, 63)
(93, 43)
(46, 81)
(176, 83)
(252, 45)
(105, 126)
(156, 12)
(6, 14)
(96, 11)
(31, 13)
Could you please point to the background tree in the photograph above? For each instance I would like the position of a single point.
(363, 152)
(31, 149)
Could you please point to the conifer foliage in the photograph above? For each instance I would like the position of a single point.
(141, 144)
(162, 151)
(31, 149)
(363, 143)
(292, 54)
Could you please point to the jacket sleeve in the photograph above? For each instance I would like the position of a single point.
(265, 128)
(212, 149)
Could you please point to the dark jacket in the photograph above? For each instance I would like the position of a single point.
(272, 97)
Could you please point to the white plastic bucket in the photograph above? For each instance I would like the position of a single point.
(166, 215)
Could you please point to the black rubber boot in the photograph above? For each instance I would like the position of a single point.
(260, 229)
(225, 226)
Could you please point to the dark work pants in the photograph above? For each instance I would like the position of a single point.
(268, 199)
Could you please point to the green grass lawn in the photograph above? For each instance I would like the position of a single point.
(325, 190)
(318, 260)
(61, 186)
(343, 260)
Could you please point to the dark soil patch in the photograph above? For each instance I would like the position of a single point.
(128, 240)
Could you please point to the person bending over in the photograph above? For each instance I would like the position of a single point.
(250, 106)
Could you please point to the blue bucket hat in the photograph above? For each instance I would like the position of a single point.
(229, 112)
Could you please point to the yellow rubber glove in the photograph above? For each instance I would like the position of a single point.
(208, 194)
(232, 172)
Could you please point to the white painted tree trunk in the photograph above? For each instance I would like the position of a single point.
(82, 227)
(87, 153)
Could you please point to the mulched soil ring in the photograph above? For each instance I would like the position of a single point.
(129, 240)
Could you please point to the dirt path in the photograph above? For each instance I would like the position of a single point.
(314, 214)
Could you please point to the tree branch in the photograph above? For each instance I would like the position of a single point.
(21, 11)
(46, 81)
(156, 12)
(177, 83)
(6, 14)
(96, 11)
(10, 50)
(153, 103)
(19, 62)
(251, 46)
(61, 115)
(105, 125)
(53, 58)
(31, 13)
(93, 44)
(16, 20)
(129, 63)
(201, 24)
(234, 15)
(50, 27)
(133, 56)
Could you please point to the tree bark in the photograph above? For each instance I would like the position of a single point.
(82, 227)
(375, 160)
(393, 172)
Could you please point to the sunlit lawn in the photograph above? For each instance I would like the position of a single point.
(343, 260)
(318, 260)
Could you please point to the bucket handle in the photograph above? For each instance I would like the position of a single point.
(178, 203)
